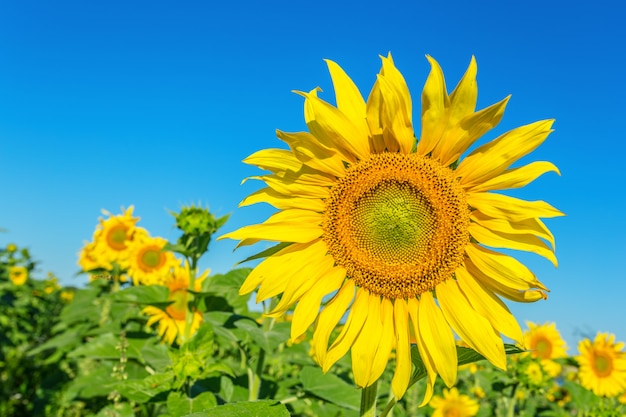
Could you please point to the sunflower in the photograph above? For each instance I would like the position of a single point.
(545, 343)
(602, 365)
(18, 275)
(453, 404)
(147, 261)
(395, 230)
(113, 236)
(172, 321)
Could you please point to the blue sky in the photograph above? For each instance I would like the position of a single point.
(155, 104)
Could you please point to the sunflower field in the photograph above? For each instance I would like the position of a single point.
(384, 291)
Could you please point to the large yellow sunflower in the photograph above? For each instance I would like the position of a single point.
(545, 343)
(113, 236)
(172, 321)
(147, 261)
(453, 404)
(395, 229)
(602, 365)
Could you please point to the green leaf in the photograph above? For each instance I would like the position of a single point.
(264, 408)
(267, 252)
(330, 388)
(142, 390)
(201, 344)
(178, 404)
(117, 410)
(268, 340)
(143, 294)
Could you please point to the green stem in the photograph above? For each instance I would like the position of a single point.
(511, 412)
(254, 378)
(368, 400)
(190, 299)
(389, 407)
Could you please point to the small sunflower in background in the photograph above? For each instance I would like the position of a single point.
(396, 230)
(113, 237)
(545, 343)
(18, 275)
(172, 321)
(453, 404)
(148, 262)
(602, 365)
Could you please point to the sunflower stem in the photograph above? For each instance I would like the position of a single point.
(190, 299)
(368, 400)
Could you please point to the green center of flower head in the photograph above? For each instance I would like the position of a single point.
(543, 349)
(394, 222)
(151, 258)
(178, 309)
(602, 364)
(116, 237)
(397, 223)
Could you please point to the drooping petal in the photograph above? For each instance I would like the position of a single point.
(528, 226)
(502, 268)
(311, 152)
(516, 177)
(294, 225)
(308, 307)
(488, 305)
(402, 374)
(435, 102)
(364, 348)
(493, 158)
(427, 360)
(527, 243)
(438, 338)
(510, 208)
(329, 318)
(471, 326)
(385, 343)
(349, 333)
(282, 201)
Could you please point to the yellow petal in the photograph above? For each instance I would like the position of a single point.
(329, 317)
(334, 129)
(427, 360)
(352, 328)
(348, 97)
(275, 160)
(472, 327)
(297, 189)
(397, 109)
(516, 177)
(311, 152)
(402, 374)
(364, 348)
(510, 208)
(271, 267)
(502, 268)
(294, 225)
(463, 134)
(313, 269)
(385, 342)
(375, 120)
(283, 202)
(527, 226)
(489, 305)
(491, 159)
(528, 243)
(287, 277)
(308, 307)
(438, 338)
(435, 102)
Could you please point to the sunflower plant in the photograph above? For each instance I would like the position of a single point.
(397, 229)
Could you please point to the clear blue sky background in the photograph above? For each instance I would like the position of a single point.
(155, 104)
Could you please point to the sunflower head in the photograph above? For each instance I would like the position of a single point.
(602, 365)
(453, 404)
(18, 275)
(148, 260)
(398, 230)
(113, 236)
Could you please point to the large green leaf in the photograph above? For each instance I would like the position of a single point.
(143, 294)
(142, 390)
(265, 408)
(330, 388)
(179, 404)
(268, 340)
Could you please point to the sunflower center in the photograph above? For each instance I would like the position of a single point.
(397, 223)
(602, 364)
(178, 309)
(150, 258)
(543, 349)
(116, 238)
